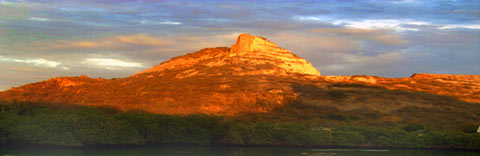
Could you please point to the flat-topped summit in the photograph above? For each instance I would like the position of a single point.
(250, 55)
(254, 75)
(249, 43)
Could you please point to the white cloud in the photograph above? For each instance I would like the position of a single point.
(39, 19)
(169, 22)
(149, 22)
(334, 67)
(310, 18)
(111, 64)
(465, 26)
(40, 62)
(406, 1)
(65, 68)
(356, 59)
(397, 25)
(37, 62)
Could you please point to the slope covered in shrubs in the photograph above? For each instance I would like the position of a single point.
(77, 126)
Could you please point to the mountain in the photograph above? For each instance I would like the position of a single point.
(250, 55)
(254, 75)
(251, 76)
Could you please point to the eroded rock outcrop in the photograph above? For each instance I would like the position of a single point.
(254, 75)
(251, 55)
(258, 50)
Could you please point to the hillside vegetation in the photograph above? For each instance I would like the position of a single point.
(77, 126)
(342, 104)
(254, 93)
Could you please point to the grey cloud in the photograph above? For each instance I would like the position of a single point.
(333, 49)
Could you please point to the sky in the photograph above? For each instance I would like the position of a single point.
(43, 39)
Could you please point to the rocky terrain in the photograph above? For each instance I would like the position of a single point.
(463, 87)
(252, 76)
(255, 76)
(250, 55)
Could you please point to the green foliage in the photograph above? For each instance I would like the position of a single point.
(79, 126)
(229, 132)
(5, 126)
(97, 127)
(469, 128)
(45, 128)
(282, 134)
(347, 136)
(413, 127)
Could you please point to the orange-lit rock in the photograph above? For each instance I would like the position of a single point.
(254, 75)
(258, 50)
(464, 87)
(248, 51)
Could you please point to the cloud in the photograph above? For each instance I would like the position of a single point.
(14, 74)
(116, 42)
(23, 69)
(343, 48)
(313, 42)
(349, 64)
(381, 36)
(461, 26)
(347, 51)
(390, 38)
(398, 25)
(142, 48)
(111, 64)
(39, 62)
(13, 10)
(39, 19)
(471, 12)
(405, 1)
(150, 22)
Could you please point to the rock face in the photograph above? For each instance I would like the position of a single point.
(248, 77)
(249, 51)
(258, 50)
(254, 75)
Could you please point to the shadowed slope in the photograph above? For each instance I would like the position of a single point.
(212, 81)
(254, 75)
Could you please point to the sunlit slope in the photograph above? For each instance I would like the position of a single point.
(254, 75)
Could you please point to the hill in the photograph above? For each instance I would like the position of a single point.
(257, 77)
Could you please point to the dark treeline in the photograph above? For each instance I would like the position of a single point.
(77, 126)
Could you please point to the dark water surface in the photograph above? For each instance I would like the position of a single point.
(235, 151)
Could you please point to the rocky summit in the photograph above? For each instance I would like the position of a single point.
(251, 76)
(254, 75)
(250, 55)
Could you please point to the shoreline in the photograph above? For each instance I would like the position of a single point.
(132, 146)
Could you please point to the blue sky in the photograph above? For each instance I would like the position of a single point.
(115, 38)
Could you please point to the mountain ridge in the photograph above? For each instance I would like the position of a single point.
(248, 49)
(254, 75)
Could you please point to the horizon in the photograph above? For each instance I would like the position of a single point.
(46, 39)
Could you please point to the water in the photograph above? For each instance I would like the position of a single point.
(220, 151)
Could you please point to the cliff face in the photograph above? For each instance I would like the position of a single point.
(254, 75)
(250, 55)
(248, 77)
(257, 51)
